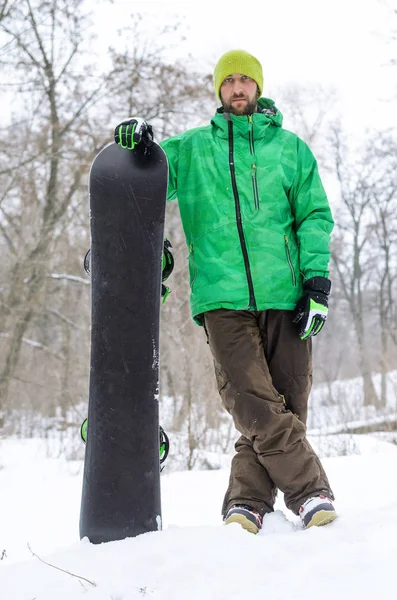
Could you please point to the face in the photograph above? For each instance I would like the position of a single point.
(239, 94)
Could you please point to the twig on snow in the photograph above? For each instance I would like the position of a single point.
(63, 570)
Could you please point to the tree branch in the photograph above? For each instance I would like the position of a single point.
(47, 64)
(62, 570)
(35, 344)
(69, 278)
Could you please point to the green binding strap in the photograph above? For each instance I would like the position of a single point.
(167, 266)
(83, 430)
(168, 260)
(164, 440)
(165, 292)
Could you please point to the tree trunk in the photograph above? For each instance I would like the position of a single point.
(370, 395)
(383, 366)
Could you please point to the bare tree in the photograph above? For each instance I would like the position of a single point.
(48, 165)
(65, 110)
(4, 8)
(309, 111)
(366, 183)
(384, 238)
(392, 8)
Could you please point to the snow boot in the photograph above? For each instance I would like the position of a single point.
(317, 511)
(246, 516)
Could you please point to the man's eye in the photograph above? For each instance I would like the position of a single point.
(228, 80)
(245, 77)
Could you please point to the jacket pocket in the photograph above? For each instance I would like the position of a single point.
(289, 260)
(192, 266)
(220, 376)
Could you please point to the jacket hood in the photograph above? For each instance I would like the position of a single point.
(267, 107)
(268, 115)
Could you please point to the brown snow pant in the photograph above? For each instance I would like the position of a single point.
(264, 375)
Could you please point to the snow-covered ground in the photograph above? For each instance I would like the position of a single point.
(336, 406)
(195, 556)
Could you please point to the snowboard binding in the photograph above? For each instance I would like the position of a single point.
(164, 441)
(167, 267)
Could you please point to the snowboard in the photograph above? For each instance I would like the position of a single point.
(121, 482)
(164, 442)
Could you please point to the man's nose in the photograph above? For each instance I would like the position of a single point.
(238, 89)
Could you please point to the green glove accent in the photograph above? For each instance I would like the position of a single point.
(123, 133)
(132, 131)
(312, 309)
(317, 316)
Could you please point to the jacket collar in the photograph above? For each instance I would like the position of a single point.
(268, 115)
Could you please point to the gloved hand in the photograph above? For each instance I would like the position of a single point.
(131, 131)
(312, 309)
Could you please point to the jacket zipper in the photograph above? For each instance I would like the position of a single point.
(252, 301)
(291, 266)
(253, 166)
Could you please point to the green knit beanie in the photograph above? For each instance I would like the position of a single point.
(237, 61)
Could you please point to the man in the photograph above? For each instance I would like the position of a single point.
(257, 224)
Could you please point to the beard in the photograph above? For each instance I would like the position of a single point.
(247, 109)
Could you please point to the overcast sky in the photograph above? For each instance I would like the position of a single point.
(344, 43)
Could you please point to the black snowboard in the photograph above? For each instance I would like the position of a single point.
(121, 486)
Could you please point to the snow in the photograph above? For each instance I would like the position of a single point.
(195, 556)
(338, 406)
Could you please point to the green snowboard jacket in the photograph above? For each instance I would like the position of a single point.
(255, 214)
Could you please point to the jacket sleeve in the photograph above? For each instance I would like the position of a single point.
(313, 217)
(171, 148)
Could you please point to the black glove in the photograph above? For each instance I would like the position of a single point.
(131, 131)
(312, 309)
